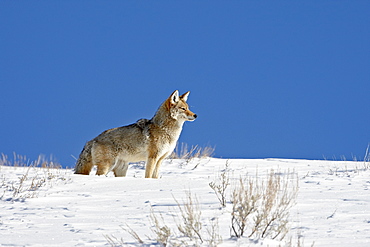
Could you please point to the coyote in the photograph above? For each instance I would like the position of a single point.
(146, 140)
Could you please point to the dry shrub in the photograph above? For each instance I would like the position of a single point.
(367, 158)
(38, 173)
(219, 186)
(190, 226)
(189, 230)
(22, 161)
(161, 230)
(114, 241)
(261, 208)
(118, 242)
(183, 151)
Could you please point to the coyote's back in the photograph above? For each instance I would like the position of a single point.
(146, 140)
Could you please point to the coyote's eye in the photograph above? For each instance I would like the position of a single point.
(183, 108)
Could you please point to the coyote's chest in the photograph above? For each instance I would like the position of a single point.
(165, 139)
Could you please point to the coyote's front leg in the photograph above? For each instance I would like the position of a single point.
(156, 169)
(150, 166)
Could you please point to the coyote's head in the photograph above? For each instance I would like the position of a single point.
(178, 107)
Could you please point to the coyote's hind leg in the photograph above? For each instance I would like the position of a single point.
(120, 168)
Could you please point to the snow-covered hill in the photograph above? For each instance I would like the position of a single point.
(54, 207)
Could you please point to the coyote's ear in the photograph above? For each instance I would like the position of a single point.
(174, 98)
(184, 97)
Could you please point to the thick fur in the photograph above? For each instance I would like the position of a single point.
(146, 140)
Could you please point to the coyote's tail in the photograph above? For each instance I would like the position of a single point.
(84, 163)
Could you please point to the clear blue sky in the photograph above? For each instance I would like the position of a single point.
(288, 79)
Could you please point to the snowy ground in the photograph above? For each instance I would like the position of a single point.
(62, 209)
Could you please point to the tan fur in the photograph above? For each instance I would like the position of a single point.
(146, 140)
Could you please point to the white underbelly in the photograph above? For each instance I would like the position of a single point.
(141, 156)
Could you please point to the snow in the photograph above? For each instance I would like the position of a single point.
(332, 207)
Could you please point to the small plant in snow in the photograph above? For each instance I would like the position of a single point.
(114, 241)
(367, 158)
(160, 229)
(190, 231)
(190, 226)
(220, 186)
(261, 209)
(214, 236)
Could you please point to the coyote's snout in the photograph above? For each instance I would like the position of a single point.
(146, 140)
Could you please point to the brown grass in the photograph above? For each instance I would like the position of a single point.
(183, 151)
(37, 174)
